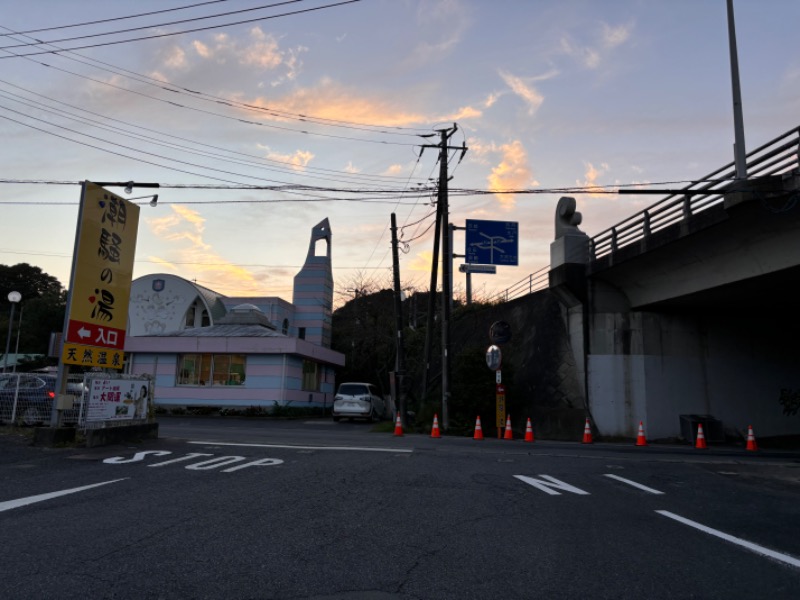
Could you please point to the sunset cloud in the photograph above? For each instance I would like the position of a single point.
(328, 100)
(524, 90)
(257, 51)
(190, 255)
(422, 262)
(512, 172)
(298, 160)
(393, 170)
(607, 38)
(590, 177)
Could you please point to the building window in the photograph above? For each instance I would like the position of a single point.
(301, 333)
(205, 321)
(190, 316)
(211, 369)
(311, 376)
(285, 328)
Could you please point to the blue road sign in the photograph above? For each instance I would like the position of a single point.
(492, 242)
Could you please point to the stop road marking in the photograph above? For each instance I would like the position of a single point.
(205, 465)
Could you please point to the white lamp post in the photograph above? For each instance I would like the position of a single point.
(14, 298)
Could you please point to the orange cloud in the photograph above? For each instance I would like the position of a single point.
(590, 178)
(195, 259)
(328, 100)
(512, 172)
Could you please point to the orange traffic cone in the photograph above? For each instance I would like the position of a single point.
(478, 431)
(751, 439)
(435, 430)
(640, 439)
(701, 437)
(508, 435)
(587, 432)
(398, 426)
(529, 432)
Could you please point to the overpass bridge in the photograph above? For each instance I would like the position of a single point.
(690, 307)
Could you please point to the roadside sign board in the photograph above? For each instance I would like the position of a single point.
(492, 242)
(500, 405)
(489, 269)
(101, 280)
(92, 356)
(117, 399)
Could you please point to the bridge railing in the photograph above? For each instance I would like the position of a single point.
(776, 157)
(534, 282)
(773, 158)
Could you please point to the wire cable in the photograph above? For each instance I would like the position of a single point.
(163, 35)
(136, 16)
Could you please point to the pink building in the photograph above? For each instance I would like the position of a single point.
(207, 349)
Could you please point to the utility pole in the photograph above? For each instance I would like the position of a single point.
(739, 152)
(399, 366)
(442, 224)
(431, 301)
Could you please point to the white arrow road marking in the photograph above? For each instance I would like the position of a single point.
(784, 558)
(354, 448)
(551, 482)
(649, 490)
(9, 504)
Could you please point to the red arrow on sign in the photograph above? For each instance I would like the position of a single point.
(80, 332)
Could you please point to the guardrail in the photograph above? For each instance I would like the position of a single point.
(536, 281)
(773, 158)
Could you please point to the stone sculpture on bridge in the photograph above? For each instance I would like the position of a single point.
(567, 218)
(571, 245)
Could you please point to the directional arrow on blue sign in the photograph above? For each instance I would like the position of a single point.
(492, 242)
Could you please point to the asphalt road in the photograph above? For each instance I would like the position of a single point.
(285, 510)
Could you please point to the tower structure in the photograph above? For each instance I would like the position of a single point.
(313, 289)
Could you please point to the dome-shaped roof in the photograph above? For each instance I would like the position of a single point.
(246, 307)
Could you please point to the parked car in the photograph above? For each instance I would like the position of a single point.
(358, 401)
(34, 397)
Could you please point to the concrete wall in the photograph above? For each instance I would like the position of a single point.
(654, 367)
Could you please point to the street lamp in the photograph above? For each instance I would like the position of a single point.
(13, 297)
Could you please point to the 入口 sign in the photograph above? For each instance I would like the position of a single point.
(101, 280)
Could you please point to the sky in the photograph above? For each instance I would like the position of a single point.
(323, 105)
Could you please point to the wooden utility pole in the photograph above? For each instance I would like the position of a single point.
(399, 366)
(443, 232)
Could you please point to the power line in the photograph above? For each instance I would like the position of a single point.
(189, 263)
(162, 84)
(293, 170)
(604, 188)
(136, 16)
(162, 35)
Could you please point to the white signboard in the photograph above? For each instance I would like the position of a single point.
(118, 399)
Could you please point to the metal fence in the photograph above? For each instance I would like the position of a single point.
(26, 399)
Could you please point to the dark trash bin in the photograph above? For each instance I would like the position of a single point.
(712, 428)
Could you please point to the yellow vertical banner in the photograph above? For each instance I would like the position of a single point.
(103, 272)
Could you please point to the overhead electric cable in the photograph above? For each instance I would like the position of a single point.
(162, 35)
(289, 168)
(136, 16)
(175, 88)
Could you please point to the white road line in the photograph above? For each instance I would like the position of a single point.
(634, 484)
(784, 558)
(551, 485)
(291, 447)
(9, 504)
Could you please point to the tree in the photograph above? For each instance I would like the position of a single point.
(43, 305)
